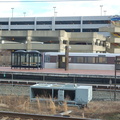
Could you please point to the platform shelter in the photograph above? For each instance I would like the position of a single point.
(26, 59)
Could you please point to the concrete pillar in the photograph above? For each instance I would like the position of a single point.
(62, 43)
(61, 49)
(63, 40)
(9, 24)
(53, 23)
(35, 23)
(81, 24)
(28, 41)
(93, 45)
(28, 44)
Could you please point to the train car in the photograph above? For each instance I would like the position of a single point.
(87, 61)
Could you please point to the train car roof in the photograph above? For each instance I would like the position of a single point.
(82, 54)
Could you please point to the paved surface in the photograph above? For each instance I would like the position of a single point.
(62, 71)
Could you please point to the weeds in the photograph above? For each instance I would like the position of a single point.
(52, 106)
(98, 109)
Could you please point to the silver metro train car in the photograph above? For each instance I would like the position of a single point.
(93, 61)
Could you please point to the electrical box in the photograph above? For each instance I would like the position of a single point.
(71, 93)
(60, 95)
(83, 94)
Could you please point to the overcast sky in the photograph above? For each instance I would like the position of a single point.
(69, 8)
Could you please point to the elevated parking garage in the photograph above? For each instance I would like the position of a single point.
(45, 41)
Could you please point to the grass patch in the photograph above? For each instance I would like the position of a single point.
(105, 110)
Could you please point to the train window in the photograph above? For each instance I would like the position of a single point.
(63, 59)
(80, 59)
(101, 60)
(110, 60)
(85, 60)
(47, 58)
(53, 58)
(91, 60)
(73, 59)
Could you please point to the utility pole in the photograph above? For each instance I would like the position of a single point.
(66, 57)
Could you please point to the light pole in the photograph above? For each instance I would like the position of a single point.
(105, 12)
(54, 10)
(101, 9)
(56, 14)
(24, 13)
(12, 11)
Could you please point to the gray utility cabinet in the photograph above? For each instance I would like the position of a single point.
(71, 93)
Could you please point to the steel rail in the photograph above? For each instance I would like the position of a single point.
(38, 117)
(25, 83)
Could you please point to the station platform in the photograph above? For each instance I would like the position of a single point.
(60, 75)
(61, 71)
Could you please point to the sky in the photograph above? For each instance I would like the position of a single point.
(69, 8)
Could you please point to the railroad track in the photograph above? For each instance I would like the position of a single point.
(19, 116)
(25, 83)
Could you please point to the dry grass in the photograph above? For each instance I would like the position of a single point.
(52, 106)
(38, 104)
(96, 109)
(65, 107)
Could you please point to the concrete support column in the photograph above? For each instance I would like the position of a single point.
(81, 23)
(94, 47)
(53, 23)
(28, 44)
(61, 49)
(35, 23)
(63, 41)
(9, 24)
(28, 41)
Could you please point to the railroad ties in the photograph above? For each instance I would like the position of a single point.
(20, 116)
